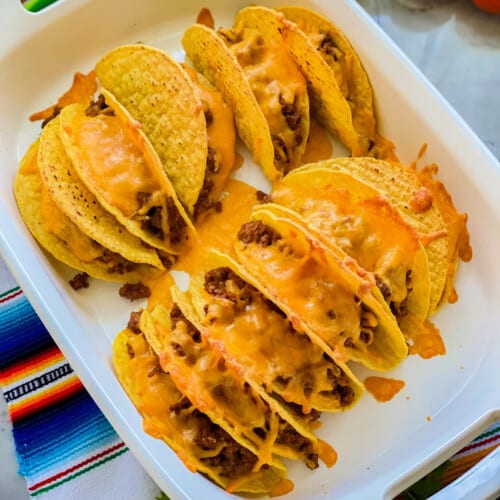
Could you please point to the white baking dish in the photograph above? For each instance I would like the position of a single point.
(382, 447)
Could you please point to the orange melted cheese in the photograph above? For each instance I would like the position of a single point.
(383, 389)
(319, 146)
(273, 76)
(220, 130)
(219, 228)
(369, 230)
(265, 347)
(427, 342)
(114, 162)
(316, 296)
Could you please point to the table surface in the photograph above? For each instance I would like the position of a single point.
(455, 45)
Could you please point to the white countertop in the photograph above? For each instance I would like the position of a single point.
(455, 45)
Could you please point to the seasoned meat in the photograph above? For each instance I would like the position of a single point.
(134, 291)
(291, 114)
(384, 289)
(263, 197)
(215, 285)
(99, 107)
(177, 315)
(79, 281)
(212, 164)
(327, 46)
(152, 222)
(203, 202)
(133, 322)
(175, 222)
(183, 404)
(288, 436)
(258, 232)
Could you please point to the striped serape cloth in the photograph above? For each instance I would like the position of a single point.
(65, 447)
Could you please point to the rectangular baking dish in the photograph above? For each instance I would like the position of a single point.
(382, 448)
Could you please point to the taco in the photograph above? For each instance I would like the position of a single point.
(341, 94)
(414, 201)
(62, 238)
(203, 376)
(276, 359)
(201, 444)
(118, 165)
(324, 293)
(174, 111)
(260, 81)
(367, 228)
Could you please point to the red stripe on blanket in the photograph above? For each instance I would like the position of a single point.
(72, 469)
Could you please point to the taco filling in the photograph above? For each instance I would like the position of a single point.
(203, 375)
(221, 138)
(279, 88)
(368, 229)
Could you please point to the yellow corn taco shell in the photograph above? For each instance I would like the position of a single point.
(414, 201)
(168, 415)
(159, 94)
(80, 205)
(341, 92)
(366, 227)
(63, 239)
(280, 362)
(117, 163)
(323, 293)
(259, 80)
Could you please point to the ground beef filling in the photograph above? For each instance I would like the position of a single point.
(258, 232)
(233, 460)
(79, 281)
(134, 291)
(215, 285)
(133, 321)
(205, 202)
(328, 47)
(117, 263)
(177, 315)
(99, 107)
(289, 437)
(176, 222)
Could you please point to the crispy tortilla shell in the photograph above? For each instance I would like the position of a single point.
(414, 201)
(63, 239)
(168, 415)
(341, 91)
(80, 205)
(159, 94)
(118, 165)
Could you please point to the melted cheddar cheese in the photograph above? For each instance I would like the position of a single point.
(115, 164)
(262, 342)
(275, 81)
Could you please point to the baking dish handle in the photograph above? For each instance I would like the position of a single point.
(17, 23)
(480, 482)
